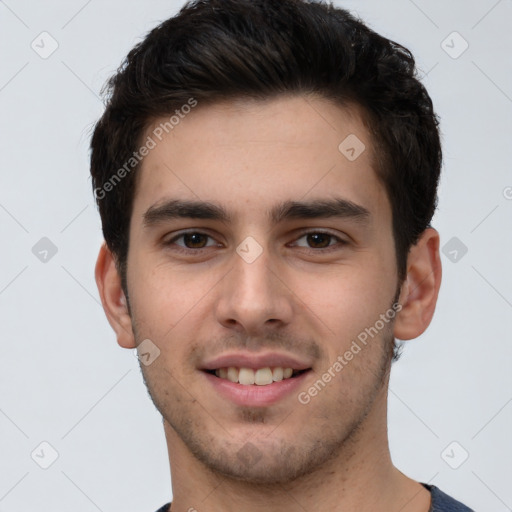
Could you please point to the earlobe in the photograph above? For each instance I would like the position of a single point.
(113, 298)
(421, 287)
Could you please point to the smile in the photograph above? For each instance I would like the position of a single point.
(258, 377)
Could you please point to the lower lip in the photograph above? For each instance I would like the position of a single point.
(253, 395)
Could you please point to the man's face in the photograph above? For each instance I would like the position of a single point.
(272, 285)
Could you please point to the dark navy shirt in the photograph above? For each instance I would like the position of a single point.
(441, 502)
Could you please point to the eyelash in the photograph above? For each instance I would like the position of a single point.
(187, 250)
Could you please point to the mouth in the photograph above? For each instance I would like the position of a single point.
(256, 376)
(251, 379)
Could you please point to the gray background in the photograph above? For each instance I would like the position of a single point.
(64, 380)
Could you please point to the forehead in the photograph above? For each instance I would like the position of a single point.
(250, 155)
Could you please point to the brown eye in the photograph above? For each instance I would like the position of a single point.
(315, 241)
(318, 240)
(195, 240)
(191, 240)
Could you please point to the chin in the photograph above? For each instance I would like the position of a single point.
(268, 464)
(264, 472)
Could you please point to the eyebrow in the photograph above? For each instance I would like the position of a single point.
(288, 210)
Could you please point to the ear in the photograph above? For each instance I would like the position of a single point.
(421, 287)
(113, 299)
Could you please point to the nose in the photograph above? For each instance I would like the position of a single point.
(254, 297)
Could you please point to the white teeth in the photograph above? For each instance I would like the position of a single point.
(246, 376)
(232, 374)
(263, 376)
(260, 377)
(277, 374)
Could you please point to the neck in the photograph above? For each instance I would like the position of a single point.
(360, 476)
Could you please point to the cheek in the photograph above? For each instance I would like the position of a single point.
(168, 301)
(349, 298)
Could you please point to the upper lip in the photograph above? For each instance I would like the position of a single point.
(255, 361)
